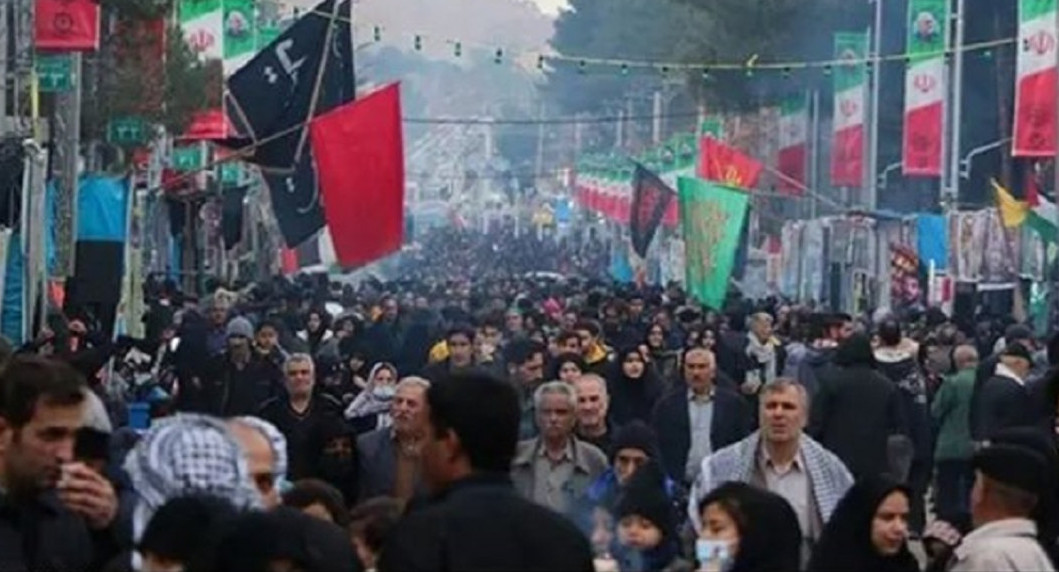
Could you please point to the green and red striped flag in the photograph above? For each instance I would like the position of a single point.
(847, 144)
(202, 23)
(1035, 90)
(924, 87)
(794, 139)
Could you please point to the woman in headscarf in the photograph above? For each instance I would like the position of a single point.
(662, 354)
(567, 367)
(370, 410)
(747, 529)
(317, 330)
(633, 387)
(868, 531)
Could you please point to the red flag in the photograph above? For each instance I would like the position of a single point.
(727, 165)
(359, 155)
(66, 25)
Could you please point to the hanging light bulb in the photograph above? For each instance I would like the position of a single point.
(624, 69)
(581, 67)
(498, 56)
(418, 42)
(705, 74)
(457, 49)
(376, 33)
(540, 62)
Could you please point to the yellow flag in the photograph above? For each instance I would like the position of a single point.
(1012, 211)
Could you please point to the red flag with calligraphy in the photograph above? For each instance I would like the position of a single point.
(727, 165)
(66, 25)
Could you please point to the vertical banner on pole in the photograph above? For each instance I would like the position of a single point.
(239, 42)
(847, 144)
(924, 87)
(1035, 89)
(794, 140)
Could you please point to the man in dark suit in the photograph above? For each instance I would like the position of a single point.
(476, 520)
(1004, 401)
(694, 421)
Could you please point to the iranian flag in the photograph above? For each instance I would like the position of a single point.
(794, 124)
(202, 23)
(924, 88)
(1035, 98)
(847, 144)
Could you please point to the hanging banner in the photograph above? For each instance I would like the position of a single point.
(239, 42)
(847, 144)
(812, 274)
(712, 220)
(66, 25)
(1035, 88)
(793, 140)
(999, 264)
(904, 275)
(790, 259)
(967, 237)
(924, 87)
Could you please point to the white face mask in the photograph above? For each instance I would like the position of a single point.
(713, 555)
(383, 392)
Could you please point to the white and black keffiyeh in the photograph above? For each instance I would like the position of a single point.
(277, 442)
(187, 454)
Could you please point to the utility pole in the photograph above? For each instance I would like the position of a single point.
(5, 65)
(875, 75)
(953, 187)
(538, 171)
(814, 151)
(67, 136)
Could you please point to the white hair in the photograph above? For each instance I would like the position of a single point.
(598, 379)
(563, 388)
(413, 381)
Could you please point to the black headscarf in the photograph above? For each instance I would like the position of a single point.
(846, 541)
(770, 539)
(632, 398)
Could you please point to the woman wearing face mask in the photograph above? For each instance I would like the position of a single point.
(868, 531)
(633, 387)
(567, 367)
(370, 410)
(747, 529)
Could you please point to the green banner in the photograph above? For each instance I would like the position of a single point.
(231, 173)
(193, 9)
(713, 126)
(239, 23)
(850, 47)
(127, 131)
(926, 29)
(712, 217)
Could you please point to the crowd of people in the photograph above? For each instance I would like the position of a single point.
(485, 413)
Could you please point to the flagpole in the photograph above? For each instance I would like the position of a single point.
(814, 138)
(957, 108)
(875, 74)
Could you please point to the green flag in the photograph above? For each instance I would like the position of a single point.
(712, 218)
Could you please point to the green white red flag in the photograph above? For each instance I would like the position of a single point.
(847, 143)
(924, 88)
(794, 144)
(1035, 90)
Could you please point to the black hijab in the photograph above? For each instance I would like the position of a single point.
(855, 351)
(632, 398)
(846, 541)
(770, 539)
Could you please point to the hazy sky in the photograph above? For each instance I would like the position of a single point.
(550, 7)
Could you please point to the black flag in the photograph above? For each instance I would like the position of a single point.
(306, 71)
(650, 199)
(232, 215)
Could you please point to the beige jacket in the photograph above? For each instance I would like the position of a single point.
(589, 464)
(1008, 545)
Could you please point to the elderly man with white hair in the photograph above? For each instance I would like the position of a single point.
(556, 468)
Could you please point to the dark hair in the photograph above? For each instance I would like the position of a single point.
(373, 519)
(308, 492)
(29, 379)
(566, 335)
(521, 350)
(186, 530)
(268, 323)
(590, 326)
(890, 332)
(564, 358)
(461, 330)
(488, 435)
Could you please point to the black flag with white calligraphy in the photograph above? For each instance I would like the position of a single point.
(650, 199)
(306, 71)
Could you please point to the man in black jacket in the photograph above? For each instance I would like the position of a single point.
(55, 514)
(1004, 401)
(699, 418)
(476, 520)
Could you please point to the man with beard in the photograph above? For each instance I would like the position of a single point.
(54, 513)
(827, 332)
(241, 380)
(382, 459)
